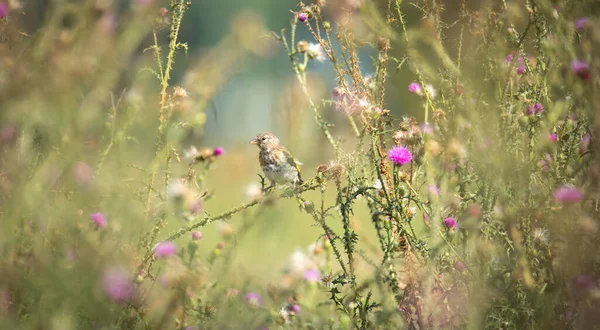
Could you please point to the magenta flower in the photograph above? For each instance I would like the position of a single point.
(580, 23)
(3, 10)
(117, 285)
(302, 17)
(508, 58)
(254, 299)
(450, 223)
(99, 219)
(312, 275)
(415, 88)
(218, 151)
(521, 69)
(82, 173)
(582, 69)
(399, 155)
(553, 137)
(196, 235)
(165, 249)
(433, 189)
(535, 108)
(294, 309)
(567, 195)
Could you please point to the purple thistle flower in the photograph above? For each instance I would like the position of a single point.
(567, 195)
(294, 308)
(117, 285)
(82, 173)
(196, 235)
(584, 282)
(99, 219)
(521, 69)
(415, 88)
(302, 17)
(433, 189)
(450, 223)
(3, 10)
(580, 23)
(165, 249)
(312, 275)
(399, 155)
(535, 108)
(508, 58)
(253, 299)
(553, 137)
(218, 151)
(582, 69)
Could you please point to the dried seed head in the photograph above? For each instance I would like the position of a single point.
(400, 137)
(179, 93)
(383, 43)
(204, 154)
(403, 176)
(302, 46)
(439, 114)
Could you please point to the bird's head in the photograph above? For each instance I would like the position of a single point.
(265, 141)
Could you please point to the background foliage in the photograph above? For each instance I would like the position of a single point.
(129, 196)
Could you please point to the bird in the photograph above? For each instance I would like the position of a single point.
(276, 162)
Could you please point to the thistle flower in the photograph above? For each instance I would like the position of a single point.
(567, 195)
(541, 234)
(399, 155)
(535, 108)
(312, 275)
(433, 189)
(431, 91)
(302, 17)
(450, 223)
(553, 137)
(3, 10)
(176, 190)
(82, 173)
(117, 285)
(582, 69)
(99, 219)
(415, 88)
(521, 69)
(580, 23)
(165, 249)
(254, 299)
(196, 235)
(295, 309)
(508, 58)
(218, 151)
(315, 51)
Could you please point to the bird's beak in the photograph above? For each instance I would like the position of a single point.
(254, 141)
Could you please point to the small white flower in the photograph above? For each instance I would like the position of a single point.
(377, 184)
(190, 153)
(176, 190)
(431, 91)
(253, 191)
(316, 52)
(541, 234)
(284, 315)
(299, 262)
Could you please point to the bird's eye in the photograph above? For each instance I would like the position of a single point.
(264, 138)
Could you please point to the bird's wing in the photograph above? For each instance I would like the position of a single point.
(292, 161)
